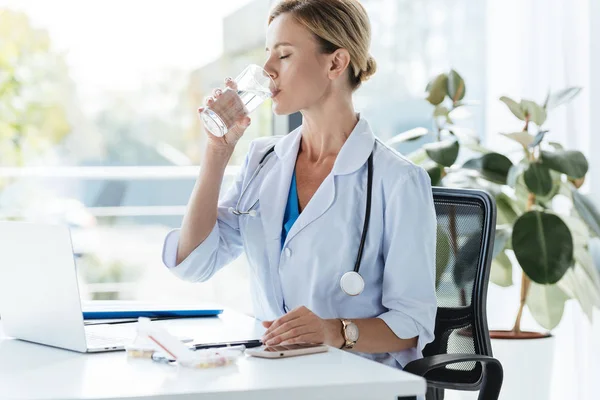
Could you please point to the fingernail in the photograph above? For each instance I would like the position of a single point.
(284, 342)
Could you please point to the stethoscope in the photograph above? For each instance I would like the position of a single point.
(352, 283)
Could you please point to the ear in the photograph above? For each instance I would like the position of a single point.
(340, 61)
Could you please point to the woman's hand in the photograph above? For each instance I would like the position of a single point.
(303, 326)
(228, 105)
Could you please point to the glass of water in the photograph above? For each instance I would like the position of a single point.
(254, 85)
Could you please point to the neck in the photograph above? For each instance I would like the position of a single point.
(325, 129)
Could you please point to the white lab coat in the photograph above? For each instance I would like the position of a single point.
(398, 261)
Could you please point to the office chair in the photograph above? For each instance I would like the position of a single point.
(460, 357)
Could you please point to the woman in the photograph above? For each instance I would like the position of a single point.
(309, 198)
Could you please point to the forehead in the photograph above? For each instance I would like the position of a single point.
(285, 29)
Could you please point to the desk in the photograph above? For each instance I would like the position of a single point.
(32, 371)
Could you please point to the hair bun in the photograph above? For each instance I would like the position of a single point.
(371, 68)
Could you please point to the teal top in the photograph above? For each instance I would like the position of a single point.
(292, 210)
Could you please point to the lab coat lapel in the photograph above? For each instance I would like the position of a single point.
(273, 194)
(318, 204)
(352, 156)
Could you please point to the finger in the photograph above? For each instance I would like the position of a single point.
(230, 83)
(296, 313)
(217, 92)
(284, 328)
(209, 101)
(311, 337)
(291, 334)
(244, 122)
(267, 324)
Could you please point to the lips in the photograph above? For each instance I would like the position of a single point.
(275, 93)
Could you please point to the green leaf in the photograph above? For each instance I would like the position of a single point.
(505, 210)
(569, 162)
(444, 152)
(442, 253)
(538, 138)
(577, 285)
(533, 111)
(583, 245)
(594, 246)
(556, 145)
(587, 211)
(562, 96)
(501, 272)
(501, 238)
(522, 137)
(418, 156)
(521, 196)
(543, 245)
(456, 86)
(408, 136)
(492, 166)
(546, 304)
(437, 89)
(476, 147)
(538, 180)
(464, 267)
(514, 107)
(440, 111)
(435, 173)
(586, 279)
(514, 172)
(544, 200)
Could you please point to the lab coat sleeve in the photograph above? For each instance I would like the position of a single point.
(409, 259)
(223, 244)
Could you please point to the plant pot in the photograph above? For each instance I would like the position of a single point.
(527, 360)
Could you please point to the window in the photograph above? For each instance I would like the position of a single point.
(99, 127)
(412, 41)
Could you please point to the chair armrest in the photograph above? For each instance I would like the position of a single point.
(492, 372)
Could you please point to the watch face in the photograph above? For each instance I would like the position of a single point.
(352, 332)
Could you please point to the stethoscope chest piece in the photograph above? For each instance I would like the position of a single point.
(352, 283)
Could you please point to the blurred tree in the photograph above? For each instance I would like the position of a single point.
(34, 83)
(142, 126)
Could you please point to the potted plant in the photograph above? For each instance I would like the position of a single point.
(545, 225)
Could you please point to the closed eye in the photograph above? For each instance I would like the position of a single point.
(282, 57)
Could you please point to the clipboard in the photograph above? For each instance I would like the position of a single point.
(112, 310)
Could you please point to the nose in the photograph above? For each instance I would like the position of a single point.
(269, 69)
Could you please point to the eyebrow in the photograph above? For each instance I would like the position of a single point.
(279, 44)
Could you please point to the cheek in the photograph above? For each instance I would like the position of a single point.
(303, 84)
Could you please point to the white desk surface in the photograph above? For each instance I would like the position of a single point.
(32, 371)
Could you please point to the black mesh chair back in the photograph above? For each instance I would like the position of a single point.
(465, 238)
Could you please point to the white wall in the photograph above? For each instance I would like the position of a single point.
(593, 96)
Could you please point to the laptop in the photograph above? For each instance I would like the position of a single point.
(39, 292)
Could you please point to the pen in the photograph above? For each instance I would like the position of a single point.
(247, 343)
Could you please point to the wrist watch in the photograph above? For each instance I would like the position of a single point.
(350, 332)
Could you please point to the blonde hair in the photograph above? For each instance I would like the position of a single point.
(336, 24)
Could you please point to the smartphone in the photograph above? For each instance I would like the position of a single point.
(289, 350)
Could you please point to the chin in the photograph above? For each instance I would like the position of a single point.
(279, 109)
